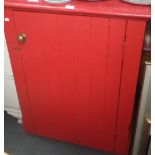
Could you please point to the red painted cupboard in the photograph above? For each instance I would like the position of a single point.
(76, 67)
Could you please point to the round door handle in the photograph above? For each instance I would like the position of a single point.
(21, 38)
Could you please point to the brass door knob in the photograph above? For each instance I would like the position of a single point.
(21, 38)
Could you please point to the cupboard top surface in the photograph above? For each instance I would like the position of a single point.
(103, 8)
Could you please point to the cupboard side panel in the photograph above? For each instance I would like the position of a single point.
(132, 55)
(17, 67)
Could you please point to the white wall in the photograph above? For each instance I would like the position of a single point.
(11, 103)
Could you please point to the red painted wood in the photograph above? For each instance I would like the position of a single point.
(35, 68)
(83, 77)
(60, 58)
(115, 8)
(19, 75)
(114, 67)
(105, 57)
(74, 78)
(132, 55)
(68, 77)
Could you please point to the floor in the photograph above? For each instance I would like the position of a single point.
(17, 142)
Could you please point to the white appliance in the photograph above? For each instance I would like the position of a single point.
(139, 2)
(11, 103)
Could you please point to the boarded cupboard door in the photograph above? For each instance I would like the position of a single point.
(72, 67)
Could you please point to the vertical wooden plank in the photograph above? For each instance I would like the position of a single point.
(99, 31)
(113, 75)
(52, 53)
(65, 34)
(82, 67)
(132, 55)
(16, 62)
